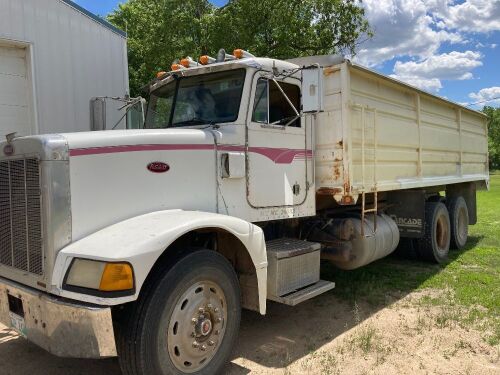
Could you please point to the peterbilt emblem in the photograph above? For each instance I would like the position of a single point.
(158, 167)
(8, 149)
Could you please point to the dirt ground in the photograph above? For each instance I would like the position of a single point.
(322, 336)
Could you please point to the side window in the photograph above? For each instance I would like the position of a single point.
(271, 106)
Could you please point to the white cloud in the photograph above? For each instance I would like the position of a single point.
(427, 74)
(476, 16)
(487, 96)
(427, 84)
(402, 28)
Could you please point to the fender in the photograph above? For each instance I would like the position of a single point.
(142, 239)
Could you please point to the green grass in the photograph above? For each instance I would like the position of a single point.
(470, 280)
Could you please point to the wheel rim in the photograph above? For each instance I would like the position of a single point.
(197, 326)
(462, 231)
(442, 233)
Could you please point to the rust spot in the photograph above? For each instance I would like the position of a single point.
(329, 191)
(336, 172)
(341, 143)
(347, 200)
(330, 70)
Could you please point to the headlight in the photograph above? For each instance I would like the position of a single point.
(100, 276)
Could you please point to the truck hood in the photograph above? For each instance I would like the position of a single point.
(114, 140)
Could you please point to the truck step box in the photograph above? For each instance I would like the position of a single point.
(292, 265)
(304, 294)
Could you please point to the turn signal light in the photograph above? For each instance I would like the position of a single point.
(116, 277)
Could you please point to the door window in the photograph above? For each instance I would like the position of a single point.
(272, 107)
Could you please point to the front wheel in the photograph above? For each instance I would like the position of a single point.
(188, 323)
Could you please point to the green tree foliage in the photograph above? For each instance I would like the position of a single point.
(160, 31)
(493, 136)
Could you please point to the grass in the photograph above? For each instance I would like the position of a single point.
(470, 281)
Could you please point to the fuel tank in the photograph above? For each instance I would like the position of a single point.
(348, 247)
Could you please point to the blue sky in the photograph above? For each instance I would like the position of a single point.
(447, 47)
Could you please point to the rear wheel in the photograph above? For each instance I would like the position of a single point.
(435, 244)
(459, 219)
(188, 323)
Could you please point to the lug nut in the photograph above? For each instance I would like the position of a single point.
(216, 310)
(217, 332)
(210, 306)
(203, 347)
(201, 310)
(219, 320)
(195, 344)
(194, 320)
(211, 343)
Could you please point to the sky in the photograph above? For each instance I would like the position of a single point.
(447, 47)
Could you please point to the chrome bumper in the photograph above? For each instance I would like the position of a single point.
(62, 327)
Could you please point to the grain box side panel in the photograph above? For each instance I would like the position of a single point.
(329, 136)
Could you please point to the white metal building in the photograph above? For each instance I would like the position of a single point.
(54, 57)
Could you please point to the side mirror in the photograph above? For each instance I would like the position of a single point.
(136, 114)
(312, 89)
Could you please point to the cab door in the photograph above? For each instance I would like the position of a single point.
(276, 145)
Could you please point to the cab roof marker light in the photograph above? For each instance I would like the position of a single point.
(177, 67)
(188, 62)
(206, 60)
(160, 75)
(242, 54)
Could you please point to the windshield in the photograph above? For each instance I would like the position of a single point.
(197, 100)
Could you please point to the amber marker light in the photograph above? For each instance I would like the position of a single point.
(117, 277)
(177, 67)
(205, 60)
(241, 53)
(160, 75)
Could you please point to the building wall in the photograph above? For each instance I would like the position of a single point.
(71, 58)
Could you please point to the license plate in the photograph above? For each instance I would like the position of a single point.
(17, 322)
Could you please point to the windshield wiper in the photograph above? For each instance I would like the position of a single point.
(194, 121)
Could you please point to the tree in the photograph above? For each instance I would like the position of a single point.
(290, 28)
(493, 136)
(160, 31)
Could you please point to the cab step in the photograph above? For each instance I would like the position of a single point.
(293, 271)
(304, 294)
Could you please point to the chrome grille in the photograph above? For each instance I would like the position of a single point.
(20, 215)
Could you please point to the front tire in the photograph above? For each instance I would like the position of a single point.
(434, 246)
(187, 323)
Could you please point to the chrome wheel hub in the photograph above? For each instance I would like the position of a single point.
(197, 326)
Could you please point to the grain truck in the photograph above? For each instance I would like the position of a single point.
(248, 172)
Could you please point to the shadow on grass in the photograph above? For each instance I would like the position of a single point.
(286, 334)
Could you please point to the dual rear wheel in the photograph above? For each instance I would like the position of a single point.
(446, 226)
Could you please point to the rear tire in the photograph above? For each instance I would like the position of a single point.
(435, 244)
(187, 321)
(459, 219)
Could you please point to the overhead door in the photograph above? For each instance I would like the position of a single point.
(15, 113)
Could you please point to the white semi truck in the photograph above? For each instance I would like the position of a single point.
(147, 243)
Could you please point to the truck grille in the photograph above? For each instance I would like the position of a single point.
(20, 215)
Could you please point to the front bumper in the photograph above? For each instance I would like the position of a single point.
(63, 327)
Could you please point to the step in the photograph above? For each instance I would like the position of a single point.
(304, 294)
